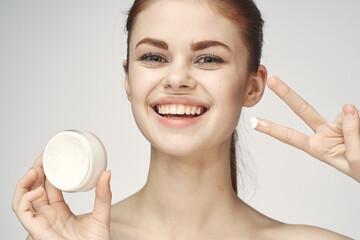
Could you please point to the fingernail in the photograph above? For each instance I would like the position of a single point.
(349, 110)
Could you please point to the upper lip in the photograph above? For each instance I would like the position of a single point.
(178, 100)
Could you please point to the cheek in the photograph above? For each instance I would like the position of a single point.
(236, 93)
(226, 87)
(230, 102)
(141, 83)
(231, 96)
(139, 90)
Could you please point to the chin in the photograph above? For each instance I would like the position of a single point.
(176, 150)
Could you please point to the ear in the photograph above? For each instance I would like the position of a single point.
(126, 83)
(255, 87)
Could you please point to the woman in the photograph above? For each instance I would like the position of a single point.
(191, 67)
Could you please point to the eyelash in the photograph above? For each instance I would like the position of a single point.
(213, 58)
(147, 58)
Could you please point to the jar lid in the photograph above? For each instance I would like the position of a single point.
(67, 160)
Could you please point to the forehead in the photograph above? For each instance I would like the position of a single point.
(184, 21)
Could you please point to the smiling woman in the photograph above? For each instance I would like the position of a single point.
(191, 67)
(208, 50)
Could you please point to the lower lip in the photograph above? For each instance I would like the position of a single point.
(177, 122)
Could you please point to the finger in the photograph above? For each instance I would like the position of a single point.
(102, 206)
(54, 195)
(303, 109)
(40, 202)
(281, 133)
(22, 187)
(38, 166)
(351, 130)
(24, 211)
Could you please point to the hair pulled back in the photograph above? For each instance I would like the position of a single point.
(247, 16)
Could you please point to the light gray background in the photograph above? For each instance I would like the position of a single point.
(60, 68)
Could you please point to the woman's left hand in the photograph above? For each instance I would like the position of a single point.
(335, 143)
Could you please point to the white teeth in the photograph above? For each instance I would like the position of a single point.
(198, 110)
(179, 109)
(173, 109)
(193, 110)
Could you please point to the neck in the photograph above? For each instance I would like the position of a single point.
(188, 194)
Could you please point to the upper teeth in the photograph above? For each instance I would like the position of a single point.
(179, 109)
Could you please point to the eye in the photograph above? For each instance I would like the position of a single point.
(153, 58)
(209, 59)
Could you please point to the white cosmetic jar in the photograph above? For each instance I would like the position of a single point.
(73, 160)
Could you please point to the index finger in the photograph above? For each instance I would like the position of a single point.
(38, 167)
(22, 187)
(302, 108)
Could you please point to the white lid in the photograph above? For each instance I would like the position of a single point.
(67, 160)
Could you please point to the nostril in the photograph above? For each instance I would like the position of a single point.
(178, 81)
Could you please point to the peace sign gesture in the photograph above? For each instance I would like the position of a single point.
(335, 143)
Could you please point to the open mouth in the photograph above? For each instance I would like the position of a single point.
(179, 111)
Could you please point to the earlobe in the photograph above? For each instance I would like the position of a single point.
(126, 83)
(256, 86)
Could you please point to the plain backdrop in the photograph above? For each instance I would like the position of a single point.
(60, 68)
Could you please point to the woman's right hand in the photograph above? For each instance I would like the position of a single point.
(43, 212)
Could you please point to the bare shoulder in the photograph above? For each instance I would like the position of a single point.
(299, 232)
(265, 228)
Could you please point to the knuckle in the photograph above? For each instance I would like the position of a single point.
(20, 182)
(18, 185)
(270, 129)
(303, 107)
(14, 208)
(286, 93)
(289, 136)
(17, 212)
(349, 130)
(308, 145)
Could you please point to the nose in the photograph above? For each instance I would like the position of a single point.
(178, 78)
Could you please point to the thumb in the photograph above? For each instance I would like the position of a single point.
(351, 130)
(102, 206)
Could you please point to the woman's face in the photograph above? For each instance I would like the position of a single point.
(184, 57)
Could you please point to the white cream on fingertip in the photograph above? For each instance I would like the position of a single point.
(254, 122)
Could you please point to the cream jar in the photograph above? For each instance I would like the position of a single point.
(73, 160)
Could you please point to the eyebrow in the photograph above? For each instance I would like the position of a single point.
(198, 46)
(154, 42)
(206, 44)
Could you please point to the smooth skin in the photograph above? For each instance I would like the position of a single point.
(188, 194)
